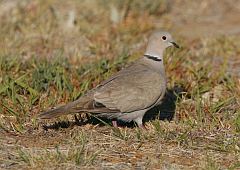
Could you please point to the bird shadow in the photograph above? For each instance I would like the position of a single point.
(167, 109)
(164, 111)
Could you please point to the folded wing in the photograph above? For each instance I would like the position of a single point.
(131, 92)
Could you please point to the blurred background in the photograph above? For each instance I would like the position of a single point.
(102, 27)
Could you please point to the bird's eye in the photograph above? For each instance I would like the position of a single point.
(164, 38)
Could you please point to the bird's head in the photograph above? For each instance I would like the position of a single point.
(162, 39)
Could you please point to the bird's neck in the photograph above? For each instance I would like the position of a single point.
(155, 62)
(154, 50)
(153, 57)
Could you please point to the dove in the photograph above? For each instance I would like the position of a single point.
(131, 92)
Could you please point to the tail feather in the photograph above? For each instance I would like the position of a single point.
(59, 111)
(53, 113)
(81, 105)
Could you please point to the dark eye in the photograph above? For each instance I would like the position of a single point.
(164, 38)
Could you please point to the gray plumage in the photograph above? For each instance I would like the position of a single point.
(128, 94)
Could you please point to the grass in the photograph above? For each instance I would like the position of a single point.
(76, 155)
(47, 58)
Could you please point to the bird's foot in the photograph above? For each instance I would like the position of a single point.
(114, 123)
(141, 126)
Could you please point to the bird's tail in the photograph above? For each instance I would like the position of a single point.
(52, 113)
(59, 111)
(85, 104)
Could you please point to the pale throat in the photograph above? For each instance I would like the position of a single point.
(154, 51)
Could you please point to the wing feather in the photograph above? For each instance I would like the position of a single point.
(132, 91)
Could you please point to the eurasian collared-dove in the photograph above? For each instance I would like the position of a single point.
(131, 92)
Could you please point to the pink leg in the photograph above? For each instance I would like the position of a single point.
(114, 123)
(140, 123)
(142, 127)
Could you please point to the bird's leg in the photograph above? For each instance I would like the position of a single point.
(139, 122)
(142, 127)
(114, 123)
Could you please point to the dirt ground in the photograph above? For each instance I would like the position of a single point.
(208, 28)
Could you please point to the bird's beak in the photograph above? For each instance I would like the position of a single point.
(175, 44)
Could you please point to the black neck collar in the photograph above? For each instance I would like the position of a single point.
(152, 57)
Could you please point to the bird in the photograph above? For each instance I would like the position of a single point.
(131, 92)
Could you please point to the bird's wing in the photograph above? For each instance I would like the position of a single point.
(131, 91)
